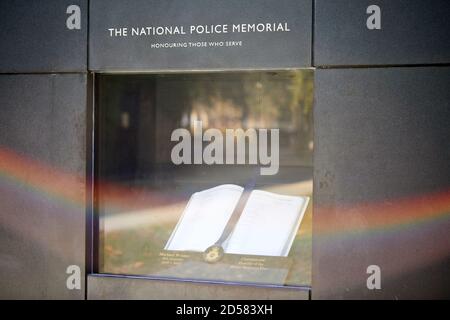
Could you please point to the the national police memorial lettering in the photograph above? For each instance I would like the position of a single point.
(198, 29)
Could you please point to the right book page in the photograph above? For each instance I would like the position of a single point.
(268, 225)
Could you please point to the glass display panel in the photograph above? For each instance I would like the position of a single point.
(206, 176)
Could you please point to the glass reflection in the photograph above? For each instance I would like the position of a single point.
(141, 194)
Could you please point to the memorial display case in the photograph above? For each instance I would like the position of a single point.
(205, 176)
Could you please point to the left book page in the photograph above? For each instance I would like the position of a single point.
(204, 218)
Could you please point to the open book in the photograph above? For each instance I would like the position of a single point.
(267, 226)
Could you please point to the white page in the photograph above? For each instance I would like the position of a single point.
(204, 218)
(268, 224)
